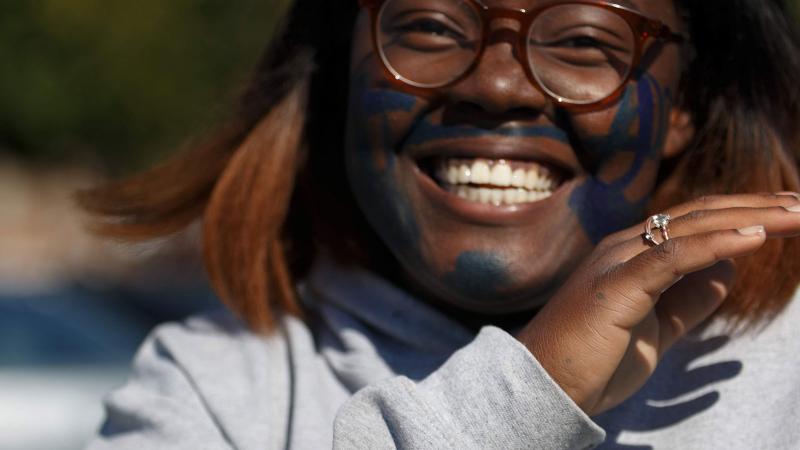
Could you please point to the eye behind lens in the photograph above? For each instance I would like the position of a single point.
(580, 53)
(428, 43)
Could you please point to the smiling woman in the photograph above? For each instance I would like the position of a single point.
(432, 217)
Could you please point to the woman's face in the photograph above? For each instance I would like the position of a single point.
(432, 172)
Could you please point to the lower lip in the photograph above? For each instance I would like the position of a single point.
(487, 214)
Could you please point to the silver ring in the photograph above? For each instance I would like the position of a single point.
(660, 222)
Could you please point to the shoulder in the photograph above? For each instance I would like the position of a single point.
(222, 359)
(209, 376)
(206, 340)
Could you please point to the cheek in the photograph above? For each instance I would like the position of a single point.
(377, 120)
(376, 125)
(623, 161)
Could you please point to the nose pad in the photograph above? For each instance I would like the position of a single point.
(499, 84)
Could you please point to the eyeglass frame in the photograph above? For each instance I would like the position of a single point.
(642, 26)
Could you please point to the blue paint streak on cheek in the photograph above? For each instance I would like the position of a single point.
(602, 207)
(376, 189)
(478, 275)
(379, 105)
(384, 101)
(618, 137)
(645, 147)
(426, 132)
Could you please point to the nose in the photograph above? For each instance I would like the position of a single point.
(499, 84)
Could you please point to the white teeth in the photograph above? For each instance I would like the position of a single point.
(518, 178)
(535, 196)
(531, 180)
(464, 174)
(501, 174)
(509, 196)
(484, 195)
(497, 197)
(452, 174)
(499, 182)
(480, 173)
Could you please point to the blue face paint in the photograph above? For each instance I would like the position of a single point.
(478, 275)
(426, 132)
(376, 102)
(603, 207)
(371, 164)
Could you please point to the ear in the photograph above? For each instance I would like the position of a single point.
(679, 133)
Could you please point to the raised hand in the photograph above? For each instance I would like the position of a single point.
(602, 334)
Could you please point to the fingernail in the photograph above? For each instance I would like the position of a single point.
(752, 231)
(793, 194)
(795, 208)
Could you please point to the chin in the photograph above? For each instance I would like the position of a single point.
(481, 283)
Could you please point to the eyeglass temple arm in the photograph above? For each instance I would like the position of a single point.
(664, 33)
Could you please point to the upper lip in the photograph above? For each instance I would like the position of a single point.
(510, 149)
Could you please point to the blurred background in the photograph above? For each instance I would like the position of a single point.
(92, 90)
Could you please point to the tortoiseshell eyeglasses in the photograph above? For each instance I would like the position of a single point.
(579, 53)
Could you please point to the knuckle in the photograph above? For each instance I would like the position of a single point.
(666, 252)
(713, 246)
(598, 336)
(769, 200)
(628, 299)
(713, 243)
(625, 301)
(706, 201)
(695, 216)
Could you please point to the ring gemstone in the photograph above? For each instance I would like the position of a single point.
(661, 220)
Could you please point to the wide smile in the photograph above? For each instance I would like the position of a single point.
(496, 186)
(497, 182)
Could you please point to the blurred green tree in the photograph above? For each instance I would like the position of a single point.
(121, 82)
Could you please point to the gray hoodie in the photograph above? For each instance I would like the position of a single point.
(372, 368)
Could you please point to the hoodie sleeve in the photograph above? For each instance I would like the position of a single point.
(491, 394)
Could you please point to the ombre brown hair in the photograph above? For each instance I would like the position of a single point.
(269, 185)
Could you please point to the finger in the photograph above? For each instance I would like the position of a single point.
(713, 202)
(778, 221)
(638, 283)
(692, 300)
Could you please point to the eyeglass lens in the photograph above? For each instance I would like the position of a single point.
(580, 53)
